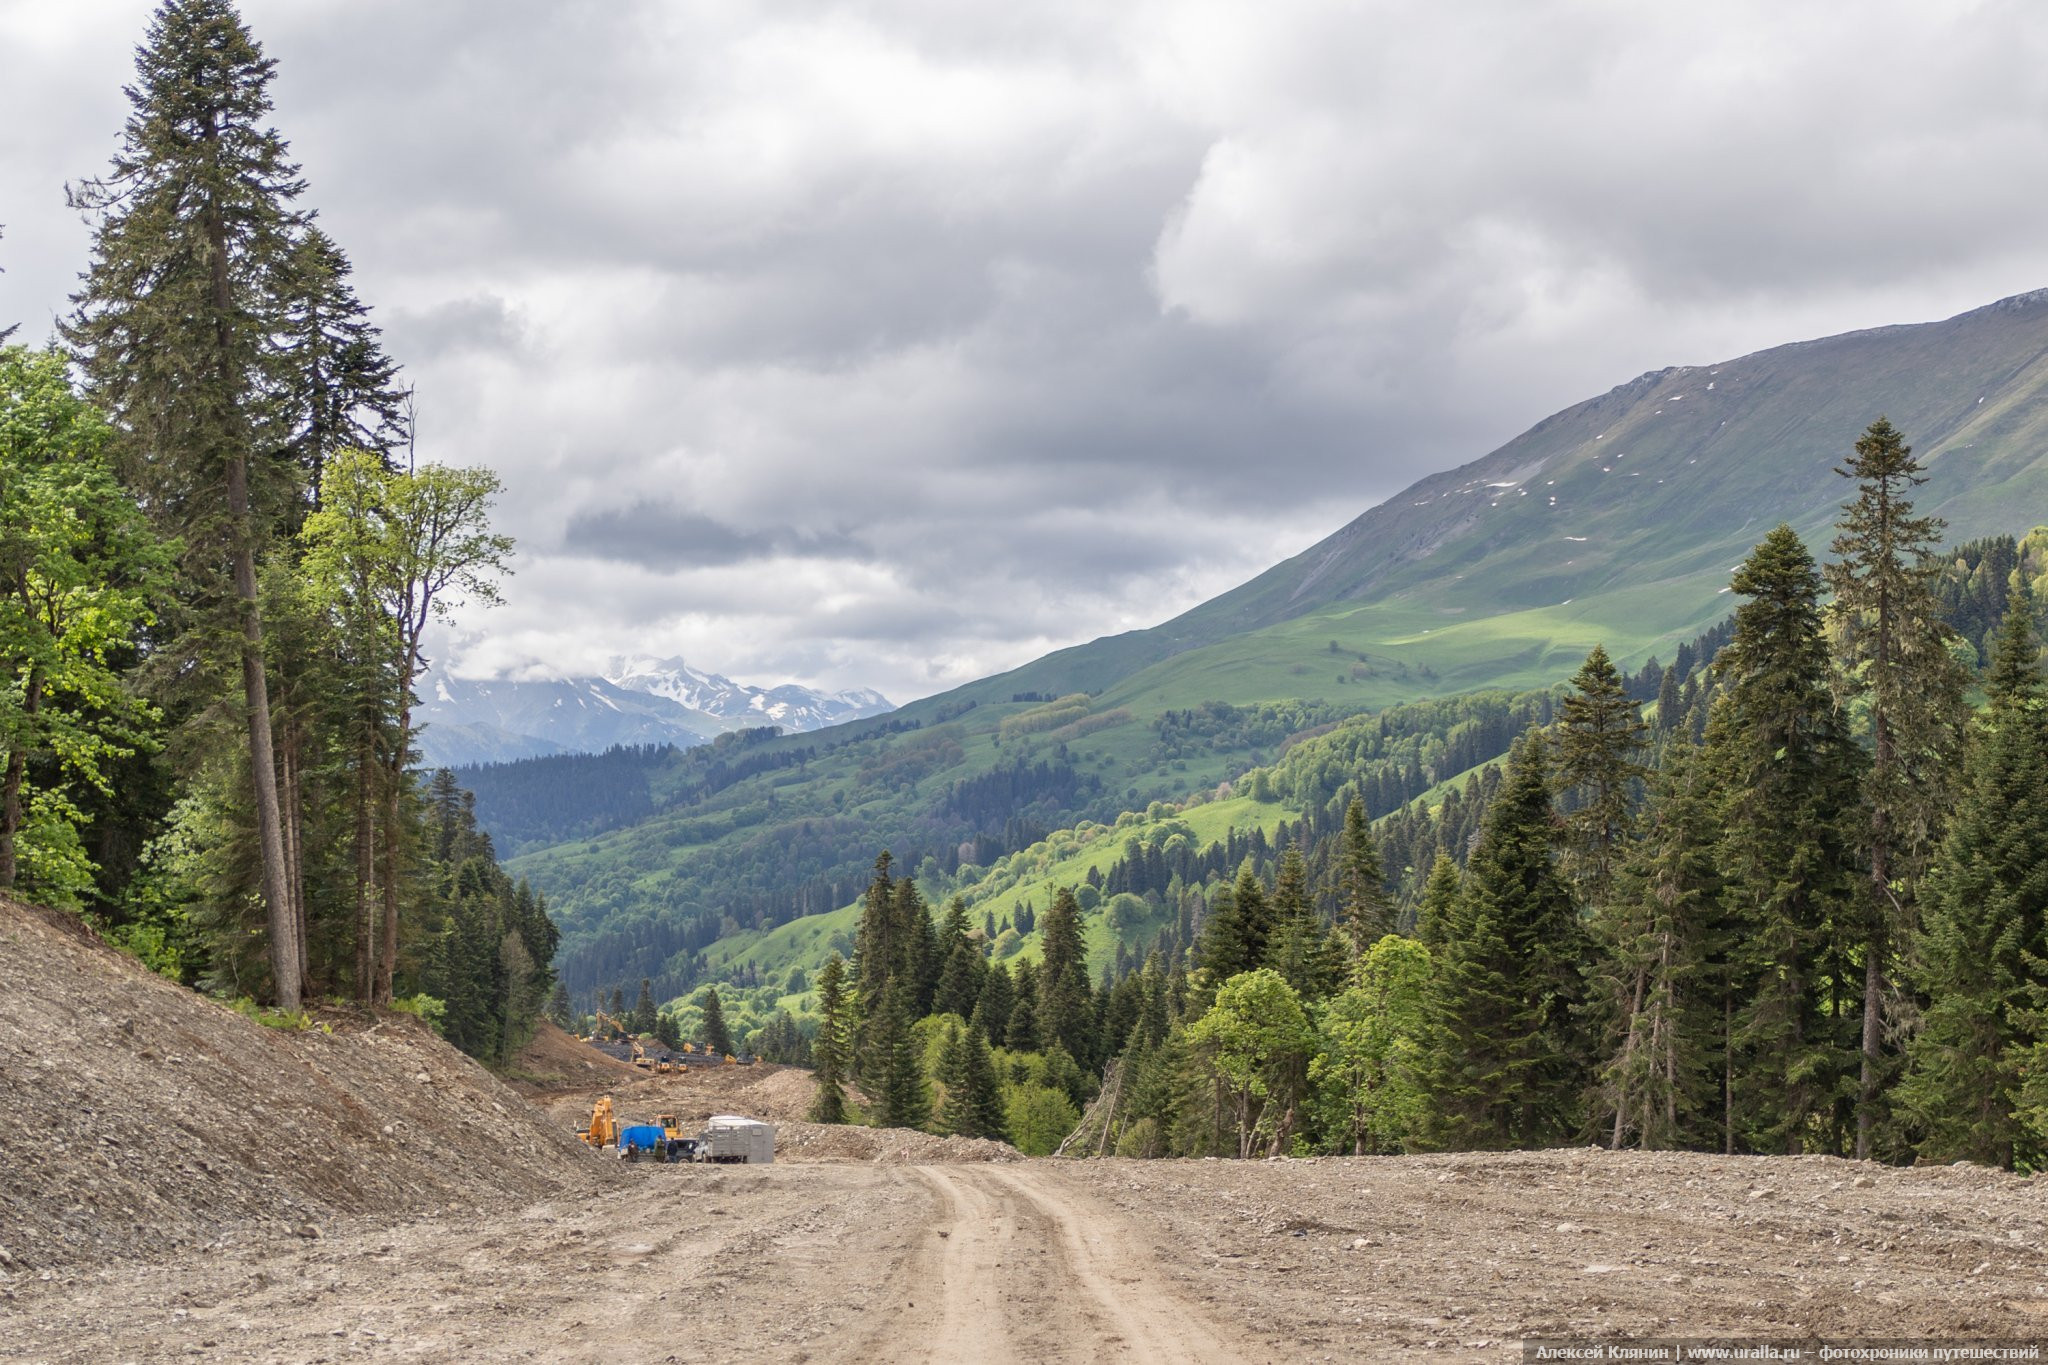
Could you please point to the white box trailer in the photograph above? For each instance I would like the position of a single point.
(732, 1139)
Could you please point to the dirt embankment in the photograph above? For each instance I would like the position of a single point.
(141, 1117)
(554, 1059)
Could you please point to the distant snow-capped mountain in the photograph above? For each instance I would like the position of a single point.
(645, 702)
(792, 707)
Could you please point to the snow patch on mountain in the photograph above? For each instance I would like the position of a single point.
(641, 701)
(793, 707)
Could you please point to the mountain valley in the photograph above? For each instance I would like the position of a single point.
(1616, 522)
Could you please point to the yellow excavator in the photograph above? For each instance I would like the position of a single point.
(603, 1128)
(597, 1028)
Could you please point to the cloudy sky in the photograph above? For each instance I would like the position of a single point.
(893, 344)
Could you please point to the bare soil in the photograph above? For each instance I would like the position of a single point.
(369, 1194)
(137, 1117)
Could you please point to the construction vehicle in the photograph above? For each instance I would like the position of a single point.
(643, 1139)
(603, 1129)
(727, 1139)
(597, 1027)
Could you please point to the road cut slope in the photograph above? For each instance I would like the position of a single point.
(141, 1117)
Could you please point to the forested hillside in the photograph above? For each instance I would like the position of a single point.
(1794, 904)
(221, 558)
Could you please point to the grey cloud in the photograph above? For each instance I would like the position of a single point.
(890, 343)
(477, 323)
(662, 536)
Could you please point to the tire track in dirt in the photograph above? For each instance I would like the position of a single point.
(1014, 1270)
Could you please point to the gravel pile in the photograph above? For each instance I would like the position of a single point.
(142, 1117)
(899, 1146)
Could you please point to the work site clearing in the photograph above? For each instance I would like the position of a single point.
(181, 1181)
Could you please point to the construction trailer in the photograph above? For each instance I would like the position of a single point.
(730, 1139)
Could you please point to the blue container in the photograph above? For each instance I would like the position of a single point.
(645, 1137)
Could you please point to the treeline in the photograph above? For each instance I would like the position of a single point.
(1978, 580)
(1800, 911)
(565, 796)
(219, 575)
(939, 1037)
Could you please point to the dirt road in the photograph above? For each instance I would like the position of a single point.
(1027, 1272)
(1376, 1259)
(802, 1263)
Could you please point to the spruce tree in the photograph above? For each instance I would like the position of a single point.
(1780, 754)
(338, 391)
(1895, 652)
(1983, 946)
(1254, 913)
(919, 963)
(992, 1009)
(642, 1020)
(828, 1050)
(953, 1076)
(1598, 744)
(961, 963)
(1368, 913)
(717, 1037)
(1299, 949)
(1505, 1064)
(902, 1098)
(1022, 1033)
(1438, 907)
(174, 329)
(973, 1106)
(1222, 951)
(877, 946)
(983, 1109)
(1065, 1004)
(1654, 993)
(1670, 710)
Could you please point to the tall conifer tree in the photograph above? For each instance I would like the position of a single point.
(1505, 1063)
(828, 1051)
(1983, 948)
(717, 1036)
(174, 329)
(1300, 950)
(902, 1098)
(1781, 756)
(1436, 911)
(1368, 914)
(339, 390)
(1656, 995)
(1065, 1003)
(1598, 743)
(1894, 648)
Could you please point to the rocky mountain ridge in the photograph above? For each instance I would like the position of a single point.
(639, 701)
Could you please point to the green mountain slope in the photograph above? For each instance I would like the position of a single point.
(1614, 521)
(1646, 495)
